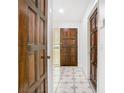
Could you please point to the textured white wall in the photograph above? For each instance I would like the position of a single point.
(56, 58)
(49, 29)
(101, 48)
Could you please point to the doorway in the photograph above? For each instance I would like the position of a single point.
(93, 48)
(68, 46)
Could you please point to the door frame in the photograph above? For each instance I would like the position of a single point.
(88, 44)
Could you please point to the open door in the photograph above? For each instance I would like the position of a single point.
(68, 46)
(93, 48)
(33, 46)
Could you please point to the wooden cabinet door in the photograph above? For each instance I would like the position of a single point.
(68, 47)
(93, 49)
(33, 46)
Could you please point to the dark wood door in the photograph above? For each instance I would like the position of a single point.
(68, 46)
(93, 48)
(32, 46)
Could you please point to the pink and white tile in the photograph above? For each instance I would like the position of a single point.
(65, 90)
(84, 90)
(73, 80)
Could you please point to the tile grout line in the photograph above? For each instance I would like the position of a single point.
(91, 86)
(74, 87)
(57, 86)
(59, 81)
(74, 81)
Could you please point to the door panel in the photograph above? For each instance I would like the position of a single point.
(42, 33)
(32, 46)
(42, 8)
(93, 49)
(32, 26)
(68, 53)
(31, 69)
(42, 63)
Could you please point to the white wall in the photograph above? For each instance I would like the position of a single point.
(101, 48)
(49, 48)
(57, 25)
(56, 58)
(85, 37)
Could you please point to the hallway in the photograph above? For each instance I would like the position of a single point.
(59, 47)
(73, 80)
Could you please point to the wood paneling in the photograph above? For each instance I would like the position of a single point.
(68, 53)
(33, 46)
(42, 8)
(93, 48)
(31, 69)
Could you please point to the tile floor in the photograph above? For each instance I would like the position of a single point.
(73, 80)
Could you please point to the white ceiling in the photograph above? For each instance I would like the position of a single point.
(73, 10)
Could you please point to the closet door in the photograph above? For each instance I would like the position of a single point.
(93, 49)
(33, 46)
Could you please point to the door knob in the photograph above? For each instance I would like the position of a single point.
(48, 57)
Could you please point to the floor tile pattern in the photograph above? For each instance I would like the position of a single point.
(73, 80)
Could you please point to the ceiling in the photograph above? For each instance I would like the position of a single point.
(73, 10)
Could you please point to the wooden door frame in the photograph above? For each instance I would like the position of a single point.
(88, 44)
(77, 63)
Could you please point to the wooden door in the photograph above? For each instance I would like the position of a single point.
(33, 46)
(93, 48)
(68, 46)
